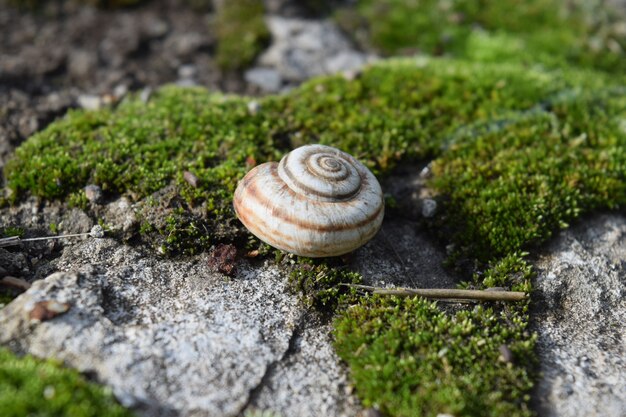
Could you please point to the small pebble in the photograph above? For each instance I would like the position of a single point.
(223, 258)
(254, 107)
(145, 94)
(429, 207)
(370, 412)
(186, 82)
(426, 172)
(90, 101)
(97, 231)
(351, 74)
(191, 179)
(93, 193)
(120, 91)
(505, 354)
(187, 71)
(48, 392)
(267, 79)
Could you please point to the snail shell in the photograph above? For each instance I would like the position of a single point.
(318, 201)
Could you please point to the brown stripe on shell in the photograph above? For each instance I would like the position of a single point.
(279, 240)
(278, 212)
(312, 190)
(253, 223)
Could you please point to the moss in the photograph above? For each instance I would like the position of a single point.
(32, 387)
(183, 234)
(5, 298)
(510, 185)
(320, 284)
(519, 152)
(11, 231)
(139, 148)
(409, 358)
(241, 33)
(552, 32)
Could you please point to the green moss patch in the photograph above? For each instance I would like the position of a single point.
(411, 359)
(517, 154)
(515, 183)
(321, 285)
(241, 33)
(43, 388)
(552, 32)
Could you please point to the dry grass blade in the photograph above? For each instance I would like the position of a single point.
(445, 293)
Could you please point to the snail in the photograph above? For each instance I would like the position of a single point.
(318, 201)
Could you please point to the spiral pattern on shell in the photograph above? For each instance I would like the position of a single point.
(318, 201)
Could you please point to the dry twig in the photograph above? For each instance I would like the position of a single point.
(445, 293)
(13, 282)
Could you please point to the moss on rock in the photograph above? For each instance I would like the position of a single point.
(44, 388)
(241, 33)
(552, 32)
(408, 358)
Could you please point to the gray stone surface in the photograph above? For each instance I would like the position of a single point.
(302, 49)
(580, 315)
(308, 369)
(402, 255)
(173, 338)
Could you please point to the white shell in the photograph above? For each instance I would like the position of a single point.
(318, 201)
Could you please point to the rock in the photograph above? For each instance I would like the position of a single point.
(122, 38)
(23, 115)
(120, 215)
(75, 221)
(120, 91)
(93, 193)
(223, 259)
(145, 94)
(370, 412)
(253, 108)
(505, 354)
(152, 26)
(309, 368)
(97, 232)
(302, 49)
(185, 44)
(13, 263)
(346, 61)
(174, 338)
(191, 179)
(267, 79)
(90, 101)
(429, 207)
(187, 71)
(392, 258)
(82, 63)
(579, 317)
(186, 82)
